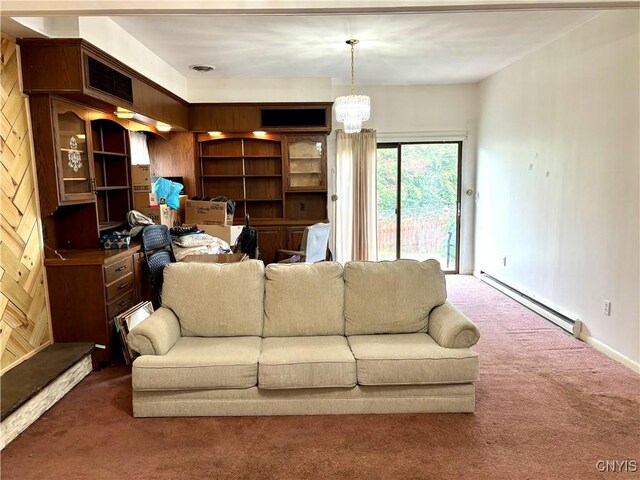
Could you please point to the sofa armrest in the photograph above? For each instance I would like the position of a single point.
(451, 329)
(156, 334)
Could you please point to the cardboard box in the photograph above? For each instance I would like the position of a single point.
(171, 217)
(144, 200)
(141, 178)
(228, 233)
(152, 213)
(207, 213)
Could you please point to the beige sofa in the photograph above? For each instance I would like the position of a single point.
(242, 339)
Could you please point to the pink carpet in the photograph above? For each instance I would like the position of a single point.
(548, 407)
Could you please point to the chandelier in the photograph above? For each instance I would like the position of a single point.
(352, 109)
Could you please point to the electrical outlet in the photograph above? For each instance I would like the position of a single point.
(302, 207)
(504, 261)
(606, 308)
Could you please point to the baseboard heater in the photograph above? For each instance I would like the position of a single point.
(571, 325)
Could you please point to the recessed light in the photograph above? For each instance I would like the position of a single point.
(259, 133)
(123, 113)
(163, 127)
(214, 133)
(202, 68)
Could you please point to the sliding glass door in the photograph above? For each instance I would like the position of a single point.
(418, 201)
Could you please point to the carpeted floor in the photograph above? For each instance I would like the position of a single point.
(548, 406)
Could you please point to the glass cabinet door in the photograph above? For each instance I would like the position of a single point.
(74, 168)
(306, 163)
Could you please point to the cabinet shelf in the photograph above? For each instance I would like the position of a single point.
(306, 158)
(75, 179)
(106, 189)
(242, 176)
(260, 200)
(113, 154)
(310, 172)
(238, 157)
(109, 225)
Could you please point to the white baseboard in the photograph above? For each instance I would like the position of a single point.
(610, 352)
(578, 332)
(18, 421)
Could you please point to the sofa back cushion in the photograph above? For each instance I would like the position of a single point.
(303, 300)
(215, 300)
(391, 297)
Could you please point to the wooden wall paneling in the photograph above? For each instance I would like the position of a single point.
(63, 65)
(175, 157)
(44, 152)
(224, 117)
(157, 104)
(25, 321)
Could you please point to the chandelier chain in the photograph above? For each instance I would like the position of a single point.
(353, 71)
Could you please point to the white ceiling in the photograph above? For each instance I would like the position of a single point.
(394, 49)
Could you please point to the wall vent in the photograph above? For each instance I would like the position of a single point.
(108, 80)
(293, 117)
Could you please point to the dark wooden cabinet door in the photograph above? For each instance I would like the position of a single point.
(77, 299)
(294, 237)
(270, 239)
(141, 274)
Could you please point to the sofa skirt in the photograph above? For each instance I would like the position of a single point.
(448, 398)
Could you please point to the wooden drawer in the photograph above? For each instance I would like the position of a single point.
(118, 270)
(120, 304)
(119, 287)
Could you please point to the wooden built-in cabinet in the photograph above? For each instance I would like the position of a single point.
(77, 70)
(73, 168)
(278, 180)
(246, 170)
(112, 178)
(88, 288)
(83, 169)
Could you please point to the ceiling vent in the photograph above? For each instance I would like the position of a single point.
(108, 80)
(202, 68)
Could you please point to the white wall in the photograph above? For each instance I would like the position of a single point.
(424, 112)
(558, 158)
(234, 90)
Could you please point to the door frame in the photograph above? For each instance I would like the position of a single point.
(398, 147)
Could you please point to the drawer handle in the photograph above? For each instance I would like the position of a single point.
(119, 269)
(124, 285)
(123, 303)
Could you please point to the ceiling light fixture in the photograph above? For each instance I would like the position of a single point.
(124, 113)
(202, 68)
(215, 133)
(163, 127)
(353, 109)
(259, 133)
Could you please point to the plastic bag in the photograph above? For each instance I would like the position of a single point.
(168, 190)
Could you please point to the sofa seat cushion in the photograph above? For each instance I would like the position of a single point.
(410, 359)
(198, 362)
(306, 362)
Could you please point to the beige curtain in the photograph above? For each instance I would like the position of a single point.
(356, 187)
